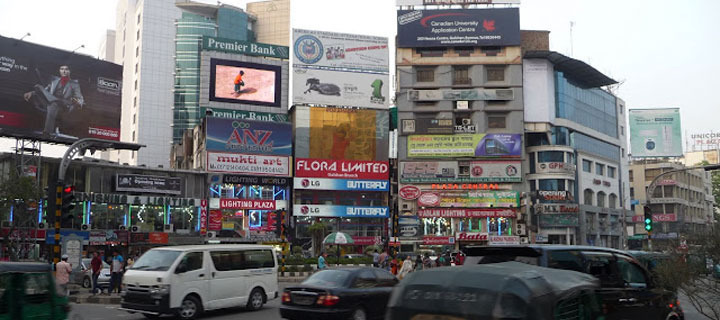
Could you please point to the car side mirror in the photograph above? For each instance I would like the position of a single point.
(181, 268)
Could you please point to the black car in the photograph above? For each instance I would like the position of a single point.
(627, 289)
(343, 293)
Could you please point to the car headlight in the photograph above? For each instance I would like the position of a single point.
(159, 291)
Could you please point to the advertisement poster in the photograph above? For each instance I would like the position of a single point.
(504, 240)
(254, 180)
(655, 132)
(150, 184)
(341, 184)
(248, 204)
(342, 134)
(248, 164)
(457, 27)
(471, 199)
(244, 82)
(342, 169)
(447, 171)
(326, 210)
(427, 126)
(248, 136)
(244, 115)
(34, 102)
(466, 213)
(458, 95)
(341, 69)
(559, 220)
(203, 217)
(244, 47)
(465, 145)
(433, 240)
(215, 220)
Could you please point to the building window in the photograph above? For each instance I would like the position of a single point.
(136, 84)
(496, 122)
(137, 66)
(552, 184)
(464, 51)
(612, 201)
(601, 199)
(588, 197)
(587, 166)
(630, 176)
(551, 156)
(138, 20)
(430, 52)
(599, 169)
(491, 51)
(425, 75)
(622, 108)
(137, 35)
(461, 75)
(134, 118)
(622, 130)
(133, 136)
(495, 73)
(632, 192)
(135, 102)
(611, 172)
(137, 51)
(532, 164)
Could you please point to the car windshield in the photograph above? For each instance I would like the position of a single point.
(156, 260)
(328, 278)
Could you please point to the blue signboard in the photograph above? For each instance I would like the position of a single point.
(341, 184)
(248, 136)
(50, 235)
(328, 210)
(457, 28)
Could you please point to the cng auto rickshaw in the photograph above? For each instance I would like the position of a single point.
(507, 290)
(28, 291)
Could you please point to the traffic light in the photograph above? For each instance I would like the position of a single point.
(648, 219)
(280, 223)
(68, 199)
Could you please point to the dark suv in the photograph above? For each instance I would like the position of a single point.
(627, 289)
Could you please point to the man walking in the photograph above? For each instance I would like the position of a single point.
(321, 261)
(376, 259)
(96, 266)
(116, 271)
(62, 274)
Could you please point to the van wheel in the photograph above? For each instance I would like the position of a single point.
(86, 282)
(256, 299)
(190, 308)
(358, 314)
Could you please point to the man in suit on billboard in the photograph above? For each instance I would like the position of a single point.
(62, 93)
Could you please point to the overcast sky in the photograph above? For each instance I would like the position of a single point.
(662, 51)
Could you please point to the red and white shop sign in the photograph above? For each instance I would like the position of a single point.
(466, 213)
(409, 192)
(432, 240)
(471, 236)
(670, 217)
(367, 241)
(342, 169)
(203, 216)
(254, 164)
(247, 204)
(429, 199)
(504, 240)
(215, 221)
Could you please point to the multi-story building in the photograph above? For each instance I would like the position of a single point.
(273, 21)
(575, 134)
(682, 202)
(460, 129)
(107, 46)
(144, 46)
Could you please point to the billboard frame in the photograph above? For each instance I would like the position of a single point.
(214, 62)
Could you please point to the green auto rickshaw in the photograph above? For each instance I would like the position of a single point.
(28, 291)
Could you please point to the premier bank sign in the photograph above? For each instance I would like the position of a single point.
(246, 48)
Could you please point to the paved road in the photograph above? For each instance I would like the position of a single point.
(106, 312)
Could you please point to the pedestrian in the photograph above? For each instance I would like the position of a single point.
(394, 265)
(383, 260)
(460, 258)
(116, 271)
(130, 261)
(376, 259)
(441, 261)
(407, 267)
(63, 269)
(427, 262)
(418, 263)
(321, 261)
(96, 266)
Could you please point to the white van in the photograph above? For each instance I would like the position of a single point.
(187, 280)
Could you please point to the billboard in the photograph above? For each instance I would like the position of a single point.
(655, 132)
(244, 47)
(341, 69)
(244, 82)
(327, 210)
(457, 27)
(342, 134)
(449, 171)
(341, 184)
(149, 184)
(448, 2)
(465, 145)
(470, 199)
(55, 95)
(261, 165)
(242, 114)
(342, 169)
(248, 136)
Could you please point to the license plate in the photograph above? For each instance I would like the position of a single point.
(304, 300)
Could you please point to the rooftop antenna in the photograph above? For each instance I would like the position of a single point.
(78, 48)
(26, 35)
(572, 24)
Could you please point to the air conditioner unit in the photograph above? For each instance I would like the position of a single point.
(212, 234)
(466, 122)
(168, 228)
(135, 229)
(6, 224)
(122, 227)
(42, 225)
(86, 227)
(524, 240)
(461, 105)
(521, 230)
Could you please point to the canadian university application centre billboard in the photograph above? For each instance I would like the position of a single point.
(447, 28)
(340, 69)
(655, 132)
(55, 95)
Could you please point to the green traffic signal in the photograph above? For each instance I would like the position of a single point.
(648, 227)
(648, 221)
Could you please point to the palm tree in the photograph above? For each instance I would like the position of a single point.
(317, 230)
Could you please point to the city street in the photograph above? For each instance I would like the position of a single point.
(105, 312)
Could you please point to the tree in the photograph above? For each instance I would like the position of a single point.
(19, 194)
(317, 230)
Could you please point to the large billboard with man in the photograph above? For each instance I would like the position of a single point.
(55, 95)
(655, 133)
